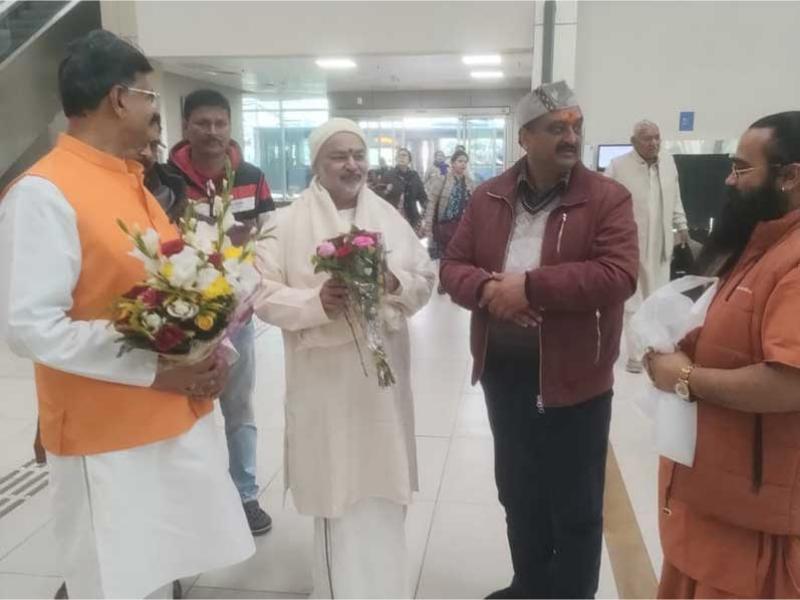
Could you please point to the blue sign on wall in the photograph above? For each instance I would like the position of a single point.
(686, 121)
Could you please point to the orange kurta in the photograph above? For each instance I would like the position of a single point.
(730, 525)
(79, 415)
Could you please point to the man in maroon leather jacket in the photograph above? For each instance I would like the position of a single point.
(545, 257)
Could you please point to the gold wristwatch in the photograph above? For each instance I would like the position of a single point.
(682, 387)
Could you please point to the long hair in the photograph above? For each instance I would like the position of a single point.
(731, 233)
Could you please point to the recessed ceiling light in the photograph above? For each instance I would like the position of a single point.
(486, 74)
(336, 63)
(482, 60)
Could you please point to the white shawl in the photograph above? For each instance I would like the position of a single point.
(347, 439)
(289, 263)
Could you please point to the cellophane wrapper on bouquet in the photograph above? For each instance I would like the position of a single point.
(358, 259)
(199, 287)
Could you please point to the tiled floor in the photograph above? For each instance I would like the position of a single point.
(456, 529)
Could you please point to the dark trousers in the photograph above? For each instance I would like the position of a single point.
(550, 473)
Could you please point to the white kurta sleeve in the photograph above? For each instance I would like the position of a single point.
(290, 308)
(414, 269)
(40, 263)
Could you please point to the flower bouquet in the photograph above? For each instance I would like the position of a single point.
(199, 287)
(358, 259)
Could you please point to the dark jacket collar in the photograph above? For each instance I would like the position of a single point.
(504, 186)
(181, 157)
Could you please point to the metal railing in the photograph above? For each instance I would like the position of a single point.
(21, 21)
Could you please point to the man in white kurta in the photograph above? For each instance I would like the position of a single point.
(350, 447)
(138, 470)
(658, 209)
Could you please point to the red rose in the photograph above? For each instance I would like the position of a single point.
(172, 247)
(344, 251)
(216, 260)
(152, 298)
(134, 292)
(168, 337)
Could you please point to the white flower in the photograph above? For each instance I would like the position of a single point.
(248, 280)
(205, 277)
(152, 321)
(181, 309)
(151, 265)
(231, 267)
(228, 221)
(185, 265)
(243, 277)
(204, 238)
(217, 206)
(150, 240)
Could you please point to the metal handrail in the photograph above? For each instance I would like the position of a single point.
(6, 5)
(39, 32)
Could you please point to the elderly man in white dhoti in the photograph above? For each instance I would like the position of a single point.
(350, 449)
(138, 470)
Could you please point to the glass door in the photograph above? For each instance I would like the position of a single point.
(486, 146)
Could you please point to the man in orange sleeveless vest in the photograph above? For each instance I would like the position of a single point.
(139, 478)
(730, 524)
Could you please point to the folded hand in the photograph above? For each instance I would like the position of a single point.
(200, 381)
(333, 296)
(505, 298)
(665, 369)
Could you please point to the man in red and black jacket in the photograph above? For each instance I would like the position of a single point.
(201, 158)
(545, 257)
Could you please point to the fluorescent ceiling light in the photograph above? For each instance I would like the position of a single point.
(486, 74)
(482, 60)
(336, 63)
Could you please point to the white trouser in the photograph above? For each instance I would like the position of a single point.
(129, 522)
(362, 554)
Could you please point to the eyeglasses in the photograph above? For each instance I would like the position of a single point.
(739, 171)
(153, 96)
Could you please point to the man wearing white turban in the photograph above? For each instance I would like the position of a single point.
(350, 457)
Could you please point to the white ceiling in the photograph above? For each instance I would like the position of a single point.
(373, 72)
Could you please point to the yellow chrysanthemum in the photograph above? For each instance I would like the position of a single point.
(204, 322)
(166, 270)
(232, 252)
(219, 287)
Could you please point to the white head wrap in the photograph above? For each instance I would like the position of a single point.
(327, 130)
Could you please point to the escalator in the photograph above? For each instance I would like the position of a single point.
(33, 36)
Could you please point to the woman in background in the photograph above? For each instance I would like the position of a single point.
(446, 204)
(406, 191)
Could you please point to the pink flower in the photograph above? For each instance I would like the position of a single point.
(344, 251)
(152, 298)
(216, 260)
(172, 247)
(326, 250)
(168, 337)
(363, 241)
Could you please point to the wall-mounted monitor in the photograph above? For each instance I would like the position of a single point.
(608, 152)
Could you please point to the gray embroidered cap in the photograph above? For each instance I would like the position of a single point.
(546, 98)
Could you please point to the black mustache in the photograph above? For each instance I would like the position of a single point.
(566, 147)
